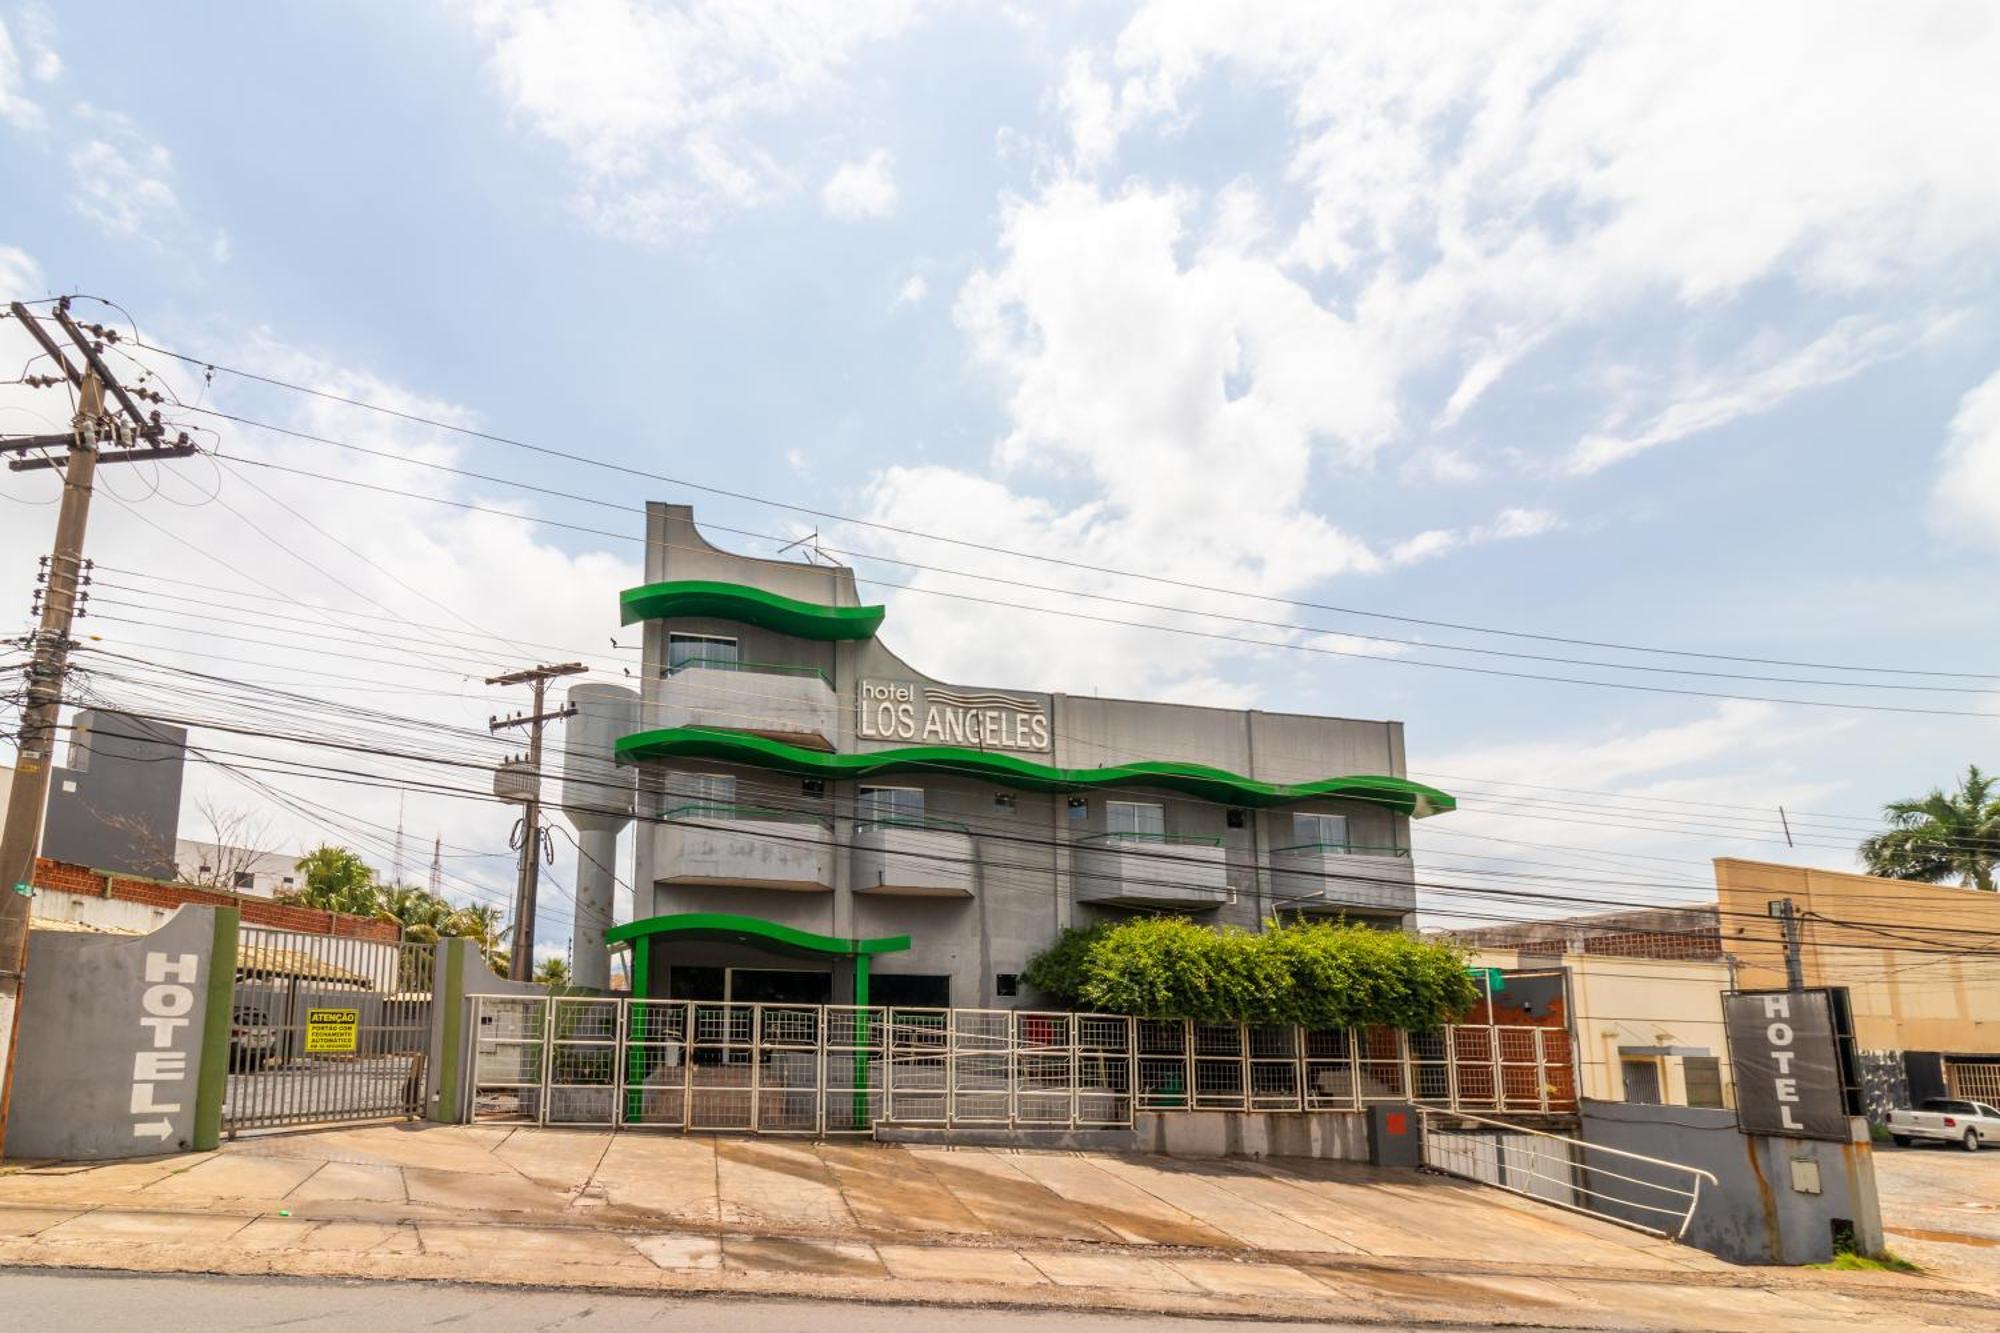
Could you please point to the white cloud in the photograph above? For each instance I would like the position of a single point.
(1510, 524)
(16, 108)
(864, 189)
(914, 290)
(1186, 395)
(38, 37)
(1966, 501)
(661, 108)
(1626, 800)
(1479, 180)
(410, 653)
(122, 180)
(1719, 397)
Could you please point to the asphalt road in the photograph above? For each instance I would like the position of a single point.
(56, 1302)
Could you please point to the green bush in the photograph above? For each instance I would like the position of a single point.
(1314, 974)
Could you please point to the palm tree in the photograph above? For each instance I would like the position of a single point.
(553, 973)
(1942, 836)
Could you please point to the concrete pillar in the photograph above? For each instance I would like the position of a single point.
(597, 800)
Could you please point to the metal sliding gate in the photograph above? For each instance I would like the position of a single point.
(325, 1028)
(810, 1069)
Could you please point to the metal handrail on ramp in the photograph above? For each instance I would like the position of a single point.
(1526, 1161)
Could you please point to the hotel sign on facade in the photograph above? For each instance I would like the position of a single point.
(917, 714)
(1785, 1052)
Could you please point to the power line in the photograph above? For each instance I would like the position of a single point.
(588, 460)
(1318, 649)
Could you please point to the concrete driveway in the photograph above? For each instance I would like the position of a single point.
(1941, 1208)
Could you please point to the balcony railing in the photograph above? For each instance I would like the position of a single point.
(743, 846)
(1162, 839)
(792, 703)
(1342, 877)
(915, 856)
(754, 668)
(1342, 849)
(740, 813)
(1149, 870)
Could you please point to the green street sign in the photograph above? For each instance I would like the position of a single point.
(1491, 976)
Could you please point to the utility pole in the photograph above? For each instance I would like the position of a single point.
(1787, 913)
(521, 954)
(48, 667)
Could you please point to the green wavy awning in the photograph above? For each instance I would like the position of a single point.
(753, 930)
(1209, 784)
(751, 606)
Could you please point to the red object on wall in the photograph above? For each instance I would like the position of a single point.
(1396, 1122)
(67, 878)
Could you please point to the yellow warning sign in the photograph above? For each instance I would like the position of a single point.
(332, 1031)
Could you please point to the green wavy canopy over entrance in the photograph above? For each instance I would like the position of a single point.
(1209, 784)
(749, 606)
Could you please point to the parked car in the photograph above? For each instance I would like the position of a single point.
(252, 1039)
(1946, 1120)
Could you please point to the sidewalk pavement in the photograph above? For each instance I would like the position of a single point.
(959, 1226)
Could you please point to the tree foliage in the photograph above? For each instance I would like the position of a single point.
(1313, 973)
(338, 880)
(1941, 836)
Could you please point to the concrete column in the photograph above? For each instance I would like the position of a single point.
(597, 854)
(597, 799)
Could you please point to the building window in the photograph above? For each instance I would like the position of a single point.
(1703, 1074)
(1135, 819)
(1328, 831)
(890, 805)
(701, 790)
(1007, 984)
(245, 880)
(699, 650)
(1642, 1080)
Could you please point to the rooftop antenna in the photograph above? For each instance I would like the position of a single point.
(396, 860)
(808, 548)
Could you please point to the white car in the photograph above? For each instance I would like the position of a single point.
(1946, 1120)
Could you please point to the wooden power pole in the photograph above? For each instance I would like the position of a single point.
(131, 436)
(521, 952)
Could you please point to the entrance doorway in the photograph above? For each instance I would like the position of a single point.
(760, 985)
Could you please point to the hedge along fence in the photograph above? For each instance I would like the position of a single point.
(1313, 974)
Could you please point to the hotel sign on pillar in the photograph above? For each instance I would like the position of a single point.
(1784, 1051)
(918, 714)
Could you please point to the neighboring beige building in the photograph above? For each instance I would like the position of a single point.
(1921, 963)
(1646, 1029)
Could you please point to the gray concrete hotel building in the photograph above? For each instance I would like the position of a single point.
(820, 822)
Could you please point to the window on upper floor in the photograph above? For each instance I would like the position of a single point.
(889, 805)
(701, 789)
(701, 649)
(1135, 819)
(1329, 831)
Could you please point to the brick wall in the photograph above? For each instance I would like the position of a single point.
(1668, 944)
(256, 911)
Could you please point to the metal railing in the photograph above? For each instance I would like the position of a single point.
(760, 814)
(1160, 839)
(1343, 849)
(1564, 1171)
(834, 1069)
(753, 668)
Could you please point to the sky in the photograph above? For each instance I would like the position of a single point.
(1666, 326)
